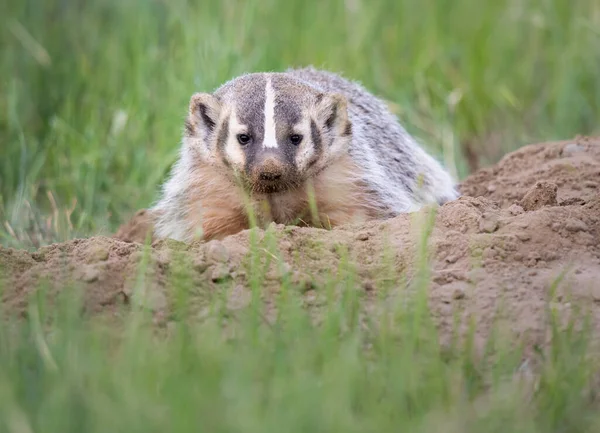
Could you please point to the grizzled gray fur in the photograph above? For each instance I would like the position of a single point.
(268, 136)
(400, 172)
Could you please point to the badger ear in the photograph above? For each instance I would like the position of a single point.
(203, 114)
(332, 113)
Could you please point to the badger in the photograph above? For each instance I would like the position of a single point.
(304, 146)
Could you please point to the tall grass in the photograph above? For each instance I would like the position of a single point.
(93, 93)
(242, 368)
(92, 99)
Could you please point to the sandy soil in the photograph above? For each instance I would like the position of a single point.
(520, 225)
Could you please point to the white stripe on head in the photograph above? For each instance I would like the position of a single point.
(270, 138)
(233, 152)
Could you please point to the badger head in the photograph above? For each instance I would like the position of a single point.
(269, 129)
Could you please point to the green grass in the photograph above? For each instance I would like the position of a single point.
(92, 100)
(255, 369)
(93, 94)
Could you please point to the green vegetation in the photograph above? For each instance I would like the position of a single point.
(255, 366)
(93, 93)
(92, 100)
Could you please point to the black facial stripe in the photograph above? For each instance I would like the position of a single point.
(222, 139)
(331, 119)
(315, 136)
(347, 130)
(288, 113)
(251, 151)
(210, 124)
(285, 148)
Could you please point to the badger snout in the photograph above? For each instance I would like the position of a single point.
(269, 174)
(270, 168)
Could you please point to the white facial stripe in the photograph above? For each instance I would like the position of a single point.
(234, 153)
(270, 139)
(307, 148)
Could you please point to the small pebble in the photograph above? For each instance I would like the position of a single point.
(488, 225)
(459, 294)
(200, 264)
(530, 264)
(286, 268)
(157, 300)
(217, 252)
(453, 258)
(90, 274)
(489, 253)
(550, 255)
(163, 259)
(524, 237)
(571, 149)
(239, 298)
(285, 245)
(98, 255)
(515, 209)
(574, 201)
(310, 296)
(576, 225)
(362, 236)
(540, 195)
(219, 273)
(584, 238)
(303, 281)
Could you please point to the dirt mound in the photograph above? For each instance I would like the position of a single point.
(570, 165)
(523, 225)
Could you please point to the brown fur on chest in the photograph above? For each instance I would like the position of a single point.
(220, 207)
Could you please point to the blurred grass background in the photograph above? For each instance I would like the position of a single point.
(93, 93)
(92, 99)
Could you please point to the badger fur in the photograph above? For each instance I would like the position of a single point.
(301, 146)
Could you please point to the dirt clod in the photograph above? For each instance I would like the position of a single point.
(515, 209)
(90, 274)
(571, 149)
(575, 225)
(239, 298)
(98, 255)
(219, 273)
(542, 194)
(362, 236)
(459, 293)
(217, 252)
(488, 223)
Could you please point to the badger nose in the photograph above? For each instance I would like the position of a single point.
(270, 169)
(270, 176)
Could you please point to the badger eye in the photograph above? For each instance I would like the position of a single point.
(295, 139)
(243, 139)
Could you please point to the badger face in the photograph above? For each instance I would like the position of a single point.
(273, 131)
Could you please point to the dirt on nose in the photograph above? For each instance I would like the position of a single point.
(270, 169)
